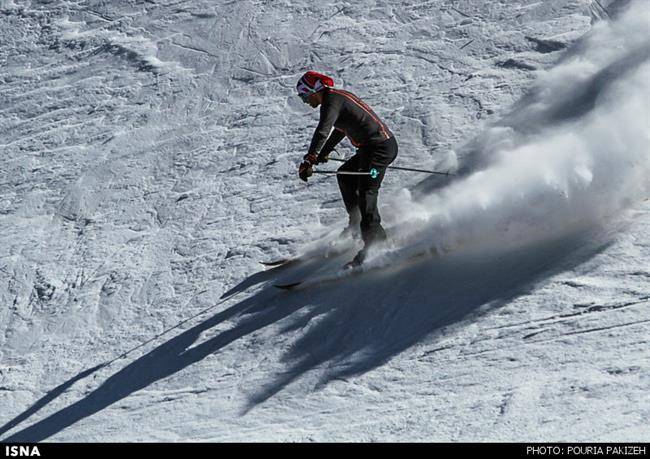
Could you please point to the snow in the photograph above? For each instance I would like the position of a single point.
(149, 159)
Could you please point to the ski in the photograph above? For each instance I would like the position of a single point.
(332, 249)
(348, 270)
(341, 272)
(280, 262)
(290, 286)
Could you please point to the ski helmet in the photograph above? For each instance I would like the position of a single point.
(312, 82)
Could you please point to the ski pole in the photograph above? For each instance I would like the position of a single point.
(341, 172)
(402, 168)
(373, 173)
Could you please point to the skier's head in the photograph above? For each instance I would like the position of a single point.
(310, 85)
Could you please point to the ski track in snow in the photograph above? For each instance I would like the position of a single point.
(148, 162)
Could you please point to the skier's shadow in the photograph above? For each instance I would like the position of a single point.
(382, 317)
(369, 320)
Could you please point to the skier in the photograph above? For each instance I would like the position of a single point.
(376, 149)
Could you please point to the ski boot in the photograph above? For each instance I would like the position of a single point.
(357, 260)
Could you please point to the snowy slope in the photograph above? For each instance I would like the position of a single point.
(148, 163)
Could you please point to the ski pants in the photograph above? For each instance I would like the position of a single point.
(360, 192)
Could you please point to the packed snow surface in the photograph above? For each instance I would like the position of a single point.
(148, 163)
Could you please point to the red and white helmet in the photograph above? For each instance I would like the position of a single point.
(312, 82)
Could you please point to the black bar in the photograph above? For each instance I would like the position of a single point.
(67, 450)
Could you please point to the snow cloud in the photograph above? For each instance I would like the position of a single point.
(573, 153)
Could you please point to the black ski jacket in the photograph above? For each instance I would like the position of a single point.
(349, 116)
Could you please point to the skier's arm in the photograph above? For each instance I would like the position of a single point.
(333, 140)
(329, 112)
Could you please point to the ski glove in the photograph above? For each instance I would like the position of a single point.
(305, 170)
(313, 159)
(323, 157)
(310, 158)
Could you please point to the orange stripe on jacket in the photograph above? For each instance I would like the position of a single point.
(363, 107)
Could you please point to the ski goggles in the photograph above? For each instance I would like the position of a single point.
(305, 89)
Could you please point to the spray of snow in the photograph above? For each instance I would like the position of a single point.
(574, 153)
